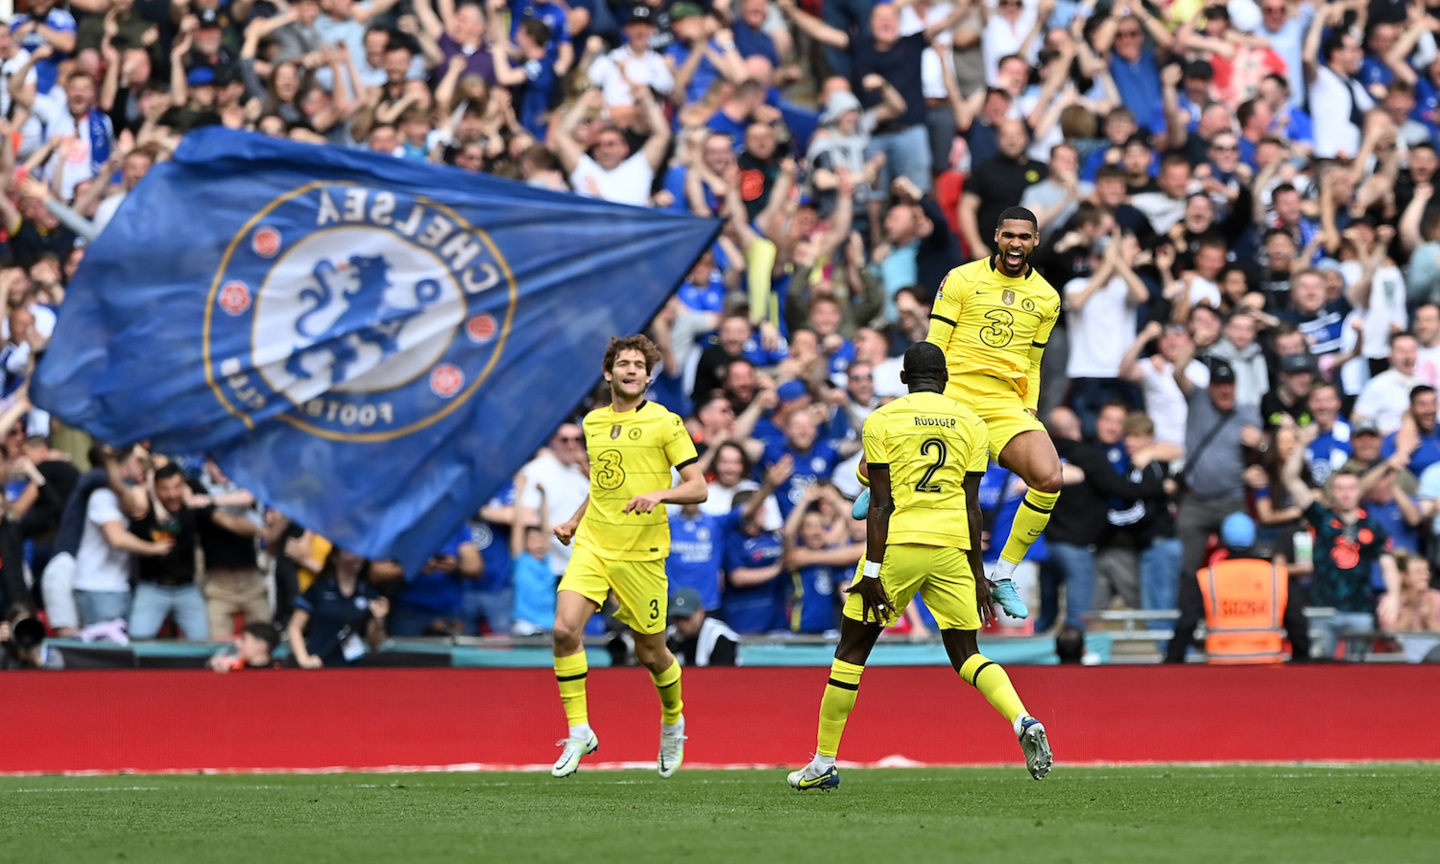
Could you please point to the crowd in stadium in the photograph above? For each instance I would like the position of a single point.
(1234, 201)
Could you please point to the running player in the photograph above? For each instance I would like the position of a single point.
(621, 538)
(926, 455)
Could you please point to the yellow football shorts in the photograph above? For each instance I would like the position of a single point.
(940, 574)
(641, 586)
(996, 403)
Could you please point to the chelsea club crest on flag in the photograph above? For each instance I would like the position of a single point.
(373, 346)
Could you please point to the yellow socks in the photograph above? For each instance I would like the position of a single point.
(570, 673)
(835, 707)
(667, 684)
(990, 679)
(1031, 517)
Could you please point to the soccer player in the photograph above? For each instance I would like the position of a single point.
(926, 455)
(622, 538)
(992, 319)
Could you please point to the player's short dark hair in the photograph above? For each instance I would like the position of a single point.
(924, 360)
(1418, 391)
(168, 470)
(638, 342)
(1021, 214)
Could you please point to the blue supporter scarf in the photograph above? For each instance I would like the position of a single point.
(99, 138)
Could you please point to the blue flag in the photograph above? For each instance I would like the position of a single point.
(373, 346)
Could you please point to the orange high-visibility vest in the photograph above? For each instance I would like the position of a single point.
(1244, 607)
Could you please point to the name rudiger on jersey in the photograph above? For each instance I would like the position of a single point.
(947, 422)
(366, 313)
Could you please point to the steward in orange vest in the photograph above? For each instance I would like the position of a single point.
(1245, 600)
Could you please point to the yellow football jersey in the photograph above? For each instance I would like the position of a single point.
(990, 324)
(930, 442)
(631, 454)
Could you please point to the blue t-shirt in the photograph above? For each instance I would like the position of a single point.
(753, 608)
(1427, 103)
(709, 297)
(1000, 495)
(47, 69)
(750, 42)
(493, 540)
(812, 466)
(551, 15)
(705, 73)
(1426, 455)
(1402, 536)
(1329, 452)
(696, 545)
(536, 92)
(1326, 329)
(816, 597)
(1373, 72)
(534, 591)
(1297, 126)
(439, 594)
(1139, 86)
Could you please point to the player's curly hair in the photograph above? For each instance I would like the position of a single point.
(639, 343)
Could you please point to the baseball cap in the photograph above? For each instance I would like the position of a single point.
(200, 76)
(685, 603)
(840, 103)
(642, 14)
(1237, 531)
(685, 9)
(208, 19)
(1364, 426)
(791, 390)
(1221, 372)
(1296, 364)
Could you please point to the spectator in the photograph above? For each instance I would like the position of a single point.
(1160, 548)
(1217, 432)
(1418, 435)
(165, 583)
(819, 551)
(534, 581)
(234, 583)
(696, 638)
(996, 184)
(553, 485)
(254, 649)
(1386, 397)
(754, 597)
(103, 560)
(630, 69)
(1239, 348)
(340, 617)
(696, 540)
(432, 602)
(1331, 83)
(1097, 308)
(1347, 543)
(1331, 448)
(1419, 606)
(1292, 398)
(1079, 518)
(1164, 401)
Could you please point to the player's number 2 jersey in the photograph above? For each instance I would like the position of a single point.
(631, 454)
(929, 442)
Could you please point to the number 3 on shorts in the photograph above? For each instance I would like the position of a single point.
(654, 609)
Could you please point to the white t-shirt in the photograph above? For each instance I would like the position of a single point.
(1001, 38)
(106, 211)
(1203, 292)
(933, 67)
(722, 501)
(1385, 399)
(1164, 401)
(565, 489)
(98, 565)
(7, 72)
(1387, 307)
(1427, 365)
(1097, 330)
(58, 122)
(629, 183)
(887, 379)
(616, 71)
(1334, 133)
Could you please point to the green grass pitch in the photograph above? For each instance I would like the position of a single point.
(1307, 813)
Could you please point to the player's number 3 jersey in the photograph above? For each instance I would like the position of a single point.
(631, 454)
(929, 442)
(988, 323)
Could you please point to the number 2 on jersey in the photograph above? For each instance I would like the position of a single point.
(938, 448)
